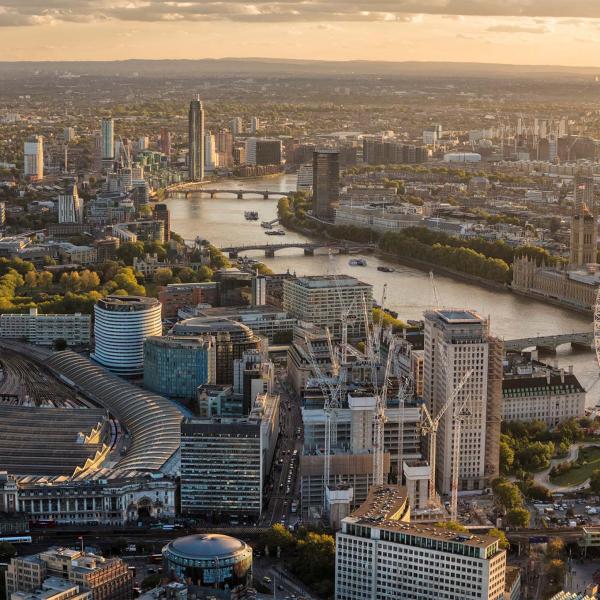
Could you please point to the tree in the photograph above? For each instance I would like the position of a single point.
(31, 279)
(204, 274)
(186, 274)
(44, 279)
(498, 533)
(451, 526)
(518, 517)
(508, 495)
(595, 481)
(89, 280)
(163, 276)
(130, 250)
(555, 548)
(277, 537)
(507, 455)
(315, 561)
(556, 571)
(151, 581)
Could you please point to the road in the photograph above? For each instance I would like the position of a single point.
(283, 586)
(284, 473)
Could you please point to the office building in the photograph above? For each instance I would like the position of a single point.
(176, 366)
(121, 324)
(234, 287)
(232, 340)
(165, 141)
(381, 151)
(458, 341)
(259, 291)
(105, 578)
(551, 397)
(69, 134)
(45, 329)
(304, 182)
(268, 152)
(196, 140)
(253, 374)
(326, 183)
(54, 588)
(217, 400)
(209, 560)
(381, 555)
(107, 128)
(175, 296)
(225, 461)
(323, 301)
(160, 212)
(584, 232)
(70, 206)
(33, 158)
(210, 152)
(237, 126)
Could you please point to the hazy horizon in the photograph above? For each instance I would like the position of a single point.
(519, 32)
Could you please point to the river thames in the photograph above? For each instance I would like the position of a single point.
(221, 220)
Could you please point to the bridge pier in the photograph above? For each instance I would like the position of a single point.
(269, 252)
(547, 349)
(344, 250)
(233, 254)
(240, 195)
(266, 195)
(309, 251)
(212, 195)
(581, 346)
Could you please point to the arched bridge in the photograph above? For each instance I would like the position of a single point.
(549, 343)
(186, 190)
(309, 248)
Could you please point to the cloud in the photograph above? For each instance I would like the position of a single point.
(35, 12)
(542, 28)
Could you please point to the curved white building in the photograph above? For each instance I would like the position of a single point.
(121, 324)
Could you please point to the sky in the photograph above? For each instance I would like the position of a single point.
(538, 32)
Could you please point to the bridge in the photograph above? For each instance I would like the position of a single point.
(186, 190)
(549, 343)
(309, 248)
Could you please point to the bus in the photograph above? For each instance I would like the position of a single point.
(16, 539)
(43, 523)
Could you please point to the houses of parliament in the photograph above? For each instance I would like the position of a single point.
(574, 285)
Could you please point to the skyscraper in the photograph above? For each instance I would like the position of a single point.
(237, 126)
(165, 141)
(254, 125)
(457, 341)
(34, 158)
(326, 182)
(108, 140)
(196, 140)
(584, 227)
(70, 209)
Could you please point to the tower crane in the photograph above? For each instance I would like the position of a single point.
(460, 412)
(430, 425)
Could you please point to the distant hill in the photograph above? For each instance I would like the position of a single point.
(287, 67)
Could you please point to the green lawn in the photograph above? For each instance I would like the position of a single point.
(580, 472)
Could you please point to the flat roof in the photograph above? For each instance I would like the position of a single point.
(384, 501)
(455, 316)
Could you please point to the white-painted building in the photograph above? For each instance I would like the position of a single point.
(43, 330)
(551, 398)
(380, 555)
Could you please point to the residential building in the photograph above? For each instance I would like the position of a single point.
(70, 207)
(225, 461)
(325, 300)
(326, 183)
(553, 397)
(107, 127)
(45, 329)
(237, 126)
(254, 125)
(458, 342)
(305, 178)
(196, 140)
(160, 212)
(165, 141)
(105, 578)
(175, 366)
(381, 555)
(210, 152)
(33, 158)
(121, 324)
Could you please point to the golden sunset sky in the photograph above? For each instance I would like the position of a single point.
(540, 32)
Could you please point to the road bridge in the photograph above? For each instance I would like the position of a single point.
(549, 343)
(308, 247)
(186, 190)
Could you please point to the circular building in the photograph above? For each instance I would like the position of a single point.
(209, 560)
(232, 340)
(121, 324)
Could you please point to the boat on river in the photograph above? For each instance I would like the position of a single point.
(357, 262)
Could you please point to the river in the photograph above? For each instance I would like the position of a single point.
(221, 220)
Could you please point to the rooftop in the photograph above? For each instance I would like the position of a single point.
(387, 502)
(127, 303)
(459, 316)
(324, 281)
(205, 546)
(533, 386)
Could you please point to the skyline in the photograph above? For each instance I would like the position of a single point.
(527, 32)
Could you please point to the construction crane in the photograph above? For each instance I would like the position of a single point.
(430, 426)
(379, 419)
(331, 389)
(460, 412)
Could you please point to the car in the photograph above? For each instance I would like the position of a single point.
(267, 579)
(280, 587)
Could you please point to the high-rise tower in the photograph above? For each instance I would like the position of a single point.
(326, 183)
(108, 140)
(584, 228)
(196, 140)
